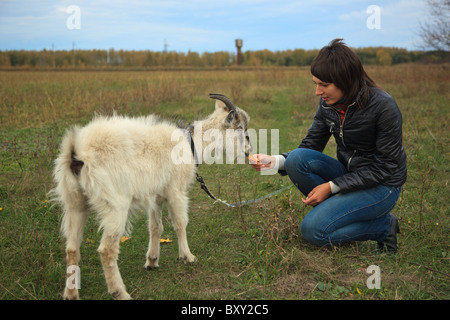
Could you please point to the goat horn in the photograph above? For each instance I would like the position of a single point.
(224, 99)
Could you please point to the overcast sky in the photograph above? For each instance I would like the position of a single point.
(208, 25)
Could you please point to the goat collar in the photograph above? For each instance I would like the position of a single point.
(191, 141)
(190, 132)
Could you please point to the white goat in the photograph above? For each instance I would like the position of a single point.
(117, 165)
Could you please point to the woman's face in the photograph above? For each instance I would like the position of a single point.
(328, 91)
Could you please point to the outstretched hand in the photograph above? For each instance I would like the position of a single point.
(262, 161)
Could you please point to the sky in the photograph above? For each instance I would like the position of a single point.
(208, 25)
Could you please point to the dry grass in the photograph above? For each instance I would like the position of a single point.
(253, 252)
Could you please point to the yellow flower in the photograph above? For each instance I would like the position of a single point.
(123, 239)
(359, 292)
(165, 240)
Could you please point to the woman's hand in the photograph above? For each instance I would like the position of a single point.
(261, 161)
(318, 195)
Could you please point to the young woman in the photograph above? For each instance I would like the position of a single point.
(353, 195)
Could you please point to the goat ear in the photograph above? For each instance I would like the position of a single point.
(229, 106)
(232, 116)
(221, 105)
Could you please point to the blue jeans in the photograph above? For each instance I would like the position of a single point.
(355, 216)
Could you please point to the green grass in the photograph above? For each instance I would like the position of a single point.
(251, 252)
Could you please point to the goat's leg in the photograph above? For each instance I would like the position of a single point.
(72, 227)
(113, 222)
(178, 211)
(109, 253)
(156, 229)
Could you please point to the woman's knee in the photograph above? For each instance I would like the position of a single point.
(307, 231)
(312, 232)
(295, 159)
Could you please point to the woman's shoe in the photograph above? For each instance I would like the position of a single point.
(390, 243)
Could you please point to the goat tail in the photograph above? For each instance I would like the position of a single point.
(68, 193)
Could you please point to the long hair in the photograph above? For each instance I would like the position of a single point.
(338, 64)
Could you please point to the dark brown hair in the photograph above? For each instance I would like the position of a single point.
(338, 64)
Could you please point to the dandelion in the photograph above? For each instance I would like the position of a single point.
(165, 240)
(409, 221)
(437, 223)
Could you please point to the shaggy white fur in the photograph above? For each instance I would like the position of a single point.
(118, 165)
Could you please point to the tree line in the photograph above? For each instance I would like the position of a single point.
(65, 59)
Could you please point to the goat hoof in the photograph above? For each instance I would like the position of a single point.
(188, 259)
(149, 268)
(120, 295)
(71, 294)
(152, 263)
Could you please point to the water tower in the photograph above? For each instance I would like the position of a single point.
(239, 44)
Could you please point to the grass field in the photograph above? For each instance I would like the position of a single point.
(250, 252)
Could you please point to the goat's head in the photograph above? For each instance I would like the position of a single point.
(232, 122)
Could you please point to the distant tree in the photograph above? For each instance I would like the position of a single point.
(435, 32)
(63, 59)
(383, 57)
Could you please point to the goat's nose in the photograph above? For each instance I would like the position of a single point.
(248, 150)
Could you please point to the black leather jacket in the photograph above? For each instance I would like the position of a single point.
(369, 142)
